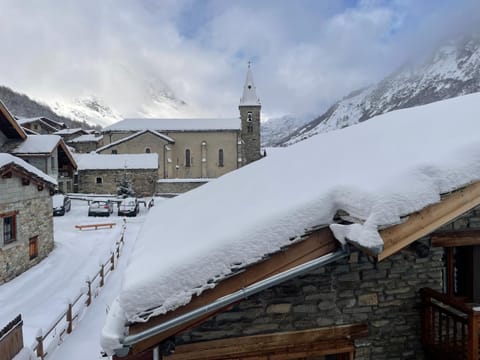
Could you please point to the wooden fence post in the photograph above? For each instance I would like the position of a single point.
(89, 292)
(102, 275)
(69, 317)
(39, 339)
(472, 343)
(112, 260)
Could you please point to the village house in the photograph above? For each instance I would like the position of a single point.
(40, 125)
(86, 143)
(68, 134)
(47, 153)
(101, 174)
(370, 254)
(26, 235)
(192, 148)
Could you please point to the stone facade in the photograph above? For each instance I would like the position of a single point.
(143, 181)
(355, 290)
(177, 187)
(33, 218)
(250, 133)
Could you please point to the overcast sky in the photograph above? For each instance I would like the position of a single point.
(304, 54)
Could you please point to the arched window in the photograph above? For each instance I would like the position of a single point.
(147, 150)
(188, 160)
(250, 128)
(249, 117)
(220, 157)
(99, 180)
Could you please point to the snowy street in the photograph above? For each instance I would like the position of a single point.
(42, 293)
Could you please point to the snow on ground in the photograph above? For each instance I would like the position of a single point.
(42, 292)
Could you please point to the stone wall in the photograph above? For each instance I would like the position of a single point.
(143, 181)
(355, 290)
(33, 218)
(177, 187)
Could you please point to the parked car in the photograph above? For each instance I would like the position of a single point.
(128, 207)
(100, 208)
(61, 204)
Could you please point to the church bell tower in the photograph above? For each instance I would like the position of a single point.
(250, 116)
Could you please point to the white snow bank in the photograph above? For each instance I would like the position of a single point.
(116, 161)
(175, 124)
(25, 354)
(379, 170)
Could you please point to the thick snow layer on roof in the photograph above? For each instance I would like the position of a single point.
(42, 144)
(175, 125)
(6, 159)
(68, 131)
(118, 161)
(86, 138)
(378, 171)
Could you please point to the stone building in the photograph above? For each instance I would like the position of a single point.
(192, 148)
(86, 143)
(26, 235)
(350, 260)
(40, 125)
(101, 174)
(48, 153)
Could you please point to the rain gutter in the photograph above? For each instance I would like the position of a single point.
(224, 301)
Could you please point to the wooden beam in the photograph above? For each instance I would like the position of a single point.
(429, 219)
(456, 238)
(319, 243)
(279, 346)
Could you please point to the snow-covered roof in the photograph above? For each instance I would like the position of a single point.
(117, 161)
(249, 97)
(377, 171)
(68, 131)
(6, 159)
(37, 144)
(86, 138)
(175, 125)
(24, 121)
(127, 138)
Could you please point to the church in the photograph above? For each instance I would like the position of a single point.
(190, 151)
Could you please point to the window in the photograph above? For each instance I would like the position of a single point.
(147, 150)
(220, 157)
(52, 163)
(9, 229)
(188, 160)
(249, 117)
(33, 247)
(99, 180)
(114, 152)
(250, 128)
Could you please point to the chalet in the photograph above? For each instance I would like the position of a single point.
(40, 125)
(366, 248)
(25, 216)
(192, 148)
(48, 153)
(101, 174)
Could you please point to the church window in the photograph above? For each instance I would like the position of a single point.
(249, 117)
(148, 150)
(250, 128)
(220, 157)
(99, 180)
(188, 160)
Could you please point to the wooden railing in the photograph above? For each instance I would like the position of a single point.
(11, 339)
(65, 322)
(450, 327)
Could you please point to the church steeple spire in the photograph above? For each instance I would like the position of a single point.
(249, 97)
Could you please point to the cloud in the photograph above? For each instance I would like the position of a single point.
(306, 54)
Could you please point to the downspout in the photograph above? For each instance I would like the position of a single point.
(222, 302)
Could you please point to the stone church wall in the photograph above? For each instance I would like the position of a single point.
(33, 218)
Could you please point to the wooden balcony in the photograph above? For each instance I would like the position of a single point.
(450, 327)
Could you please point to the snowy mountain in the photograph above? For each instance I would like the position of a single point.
(453, 70)
(275, 129)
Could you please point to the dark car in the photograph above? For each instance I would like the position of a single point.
(61, 204)
(128, 207)
(100, 208)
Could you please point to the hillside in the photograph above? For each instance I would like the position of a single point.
(23, 106)
(453, 70)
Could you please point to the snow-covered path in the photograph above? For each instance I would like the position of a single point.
(41, 293)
